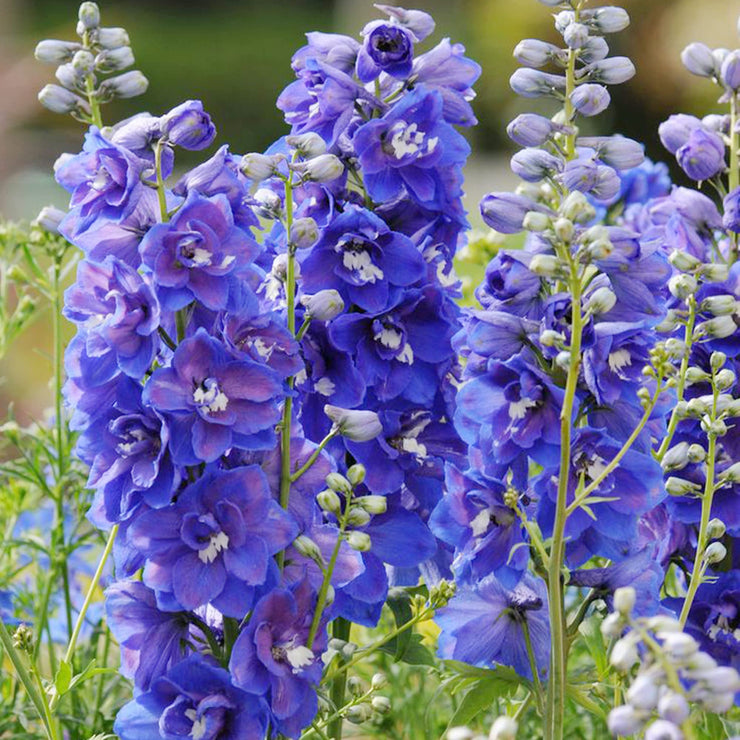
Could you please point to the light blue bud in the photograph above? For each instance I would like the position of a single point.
(616, 151)
(112, 38)
(421, 24)
(698, 59)
(532, 83)
(127, 85)
(304, 233)
(535, 53)
(609, 19)
(49, 218)
(533, 164)
(643, 694)
(590, 100)
(355, 424)
(114, 60)
(730, 71)
(324, 168)
(662, 729)
(324, 306)
(576, 35)
(307, 145)
(594, 50)
(530, 129)
(53, 51)
(59, 100)
(89, 15)
(83, 62)
(563, 19)
(625, 720)
(67, 76)
(259, 167)
(612, 71)
(674, 707)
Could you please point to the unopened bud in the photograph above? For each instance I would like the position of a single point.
(714, 272)
(624, 600)
(337, 482)
(381, 704)
(715, 553)
(562, 360)
(307, 145)
(324, 168)
(697, 375)
(717, 360)
(53, 51)
(551, 338)
(720, 327)
(324, 305)
(545, 265)
(674, 707)
(625, 720)
(602, 300)
(358, 517)
(329, 501)
(114, 60)
(719, 305)
(358, 713)
(127, 85)
(577, 207)
(49, 219)
(624, 654)
(373, 504)
(696, 453)
(356, 474)
(112, 38)
(89, 15)
(304, 233)
(613, 625)
(535, 221)
(379, 681)
(357, 425)
(678, 645)
(259, 167)
(725, 379)
(308, 548)
(359, 541)
(354, 686)
(716, 529)
(682, 286)
(59, 100)
(643, 694)
(681, 487)
(716, 428)
(564, 229)
(503, 728)
(83, 62)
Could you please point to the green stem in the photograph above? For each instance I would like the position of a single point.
(38, 699)
(533, 667)
(314, 455)
(697, 572)
(681, 386)
(161, 194)
(69, 654)
(341, 630)
(583, 495)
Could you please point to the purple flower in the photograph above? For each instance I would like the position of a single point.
(151, 641)
(271, 659)
(505, 212)
(119, 311)
(388, 48)
(473, 518)
(125, 444)
(213, 401)
(731, 217)
(188, 126)
(675, 132)
(446, 69)
(406, 148)
(421, 24)
(194, 699)
(104, 179)
(198, 255)
(703, 155)
(359, 256)
(510, 286)
(484, 624)
(215, 543)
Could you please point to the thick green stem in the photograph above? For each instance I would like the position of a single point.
(161, 194)
(539, 696)
(314, 455)
(341, 629)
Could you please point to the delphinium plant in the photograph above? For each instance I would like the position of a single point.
(280, 445)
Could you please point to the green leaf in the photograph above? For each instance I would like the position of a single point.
(483, 693)
(590, 629)
(63, 678)
(413, 652)
(399, 602)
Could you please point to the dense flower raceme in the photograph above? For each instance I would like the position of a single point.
(204, 354)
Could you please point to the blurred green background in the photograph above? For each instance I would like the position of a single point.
(235, 56)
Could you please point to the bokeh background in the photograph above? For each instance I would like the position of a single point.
(235, 56)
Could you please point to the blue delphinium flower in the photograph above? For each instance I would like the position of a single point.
(213, 401)
(215, 543)
(196, 699)
(485, 624)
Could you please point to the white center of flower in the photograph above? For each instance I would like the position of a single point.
(218, 542)
(102, 178)
(479, 525)
(595, 467)
(263, 349)
(299, 657)
(619, 359)
(412, 445)
(518, 409)
(211, 398)
(201, 257)
(359, 261)
(324, 386)
(390, 338)
(409, 140)
(198, 730)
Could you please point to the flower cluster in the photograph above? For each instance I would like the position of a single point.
(220, 382)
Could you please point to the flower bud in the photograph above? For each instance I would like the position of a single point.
(530, 129)
(722, 679)
(564, 229)
(379, 681)
(662, 729)
(535, 53)
(609, 19)
(49, 219)
(358, 517)
(53, 51)
(616, 151)
(67, 76)
(720, 327)
(577, 207)
(374, 504)
(678, 645)
(268, 203)
(716, 529)
(357, 425)
(673, 707)
(602, 300)
(675, 348)
(624, 599)
(725, 379)
(532, 83)
(715, 553)
(309, 549)
(505, 212)
(329, 501)
(714, 272)
(259, 167)
(89, 15)
(188, 125)
(356, 474)
(127, 85)
(643, 694)
(703, 155)
(681, 487)
(503, 728)
(683, 261)
(324, 168)
(359, 541)
(613, 625)
(59, 100)
(719, 305)
(337, 482)
(307, 145)
(533, 164)
(612, 71)
(590, 99)
(304, 232)
(562, 360)
(551, 338)
(459, 733)
(730, 71)
(698, 59)
(112, 38)
(625, 720)
(682, 286)
(545, 265)
(381, 704)
(698, 407)
(697, 375)
(676, 458)
(717, 703)
(324, 305)
(664, 624)
(83, 63)
(535, 221)
(717, 360)
(563, 19)
(114, 60)
(575, 35)
(358, 713)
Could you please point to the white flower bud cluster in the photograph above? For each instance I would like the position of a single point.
(673, 673)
